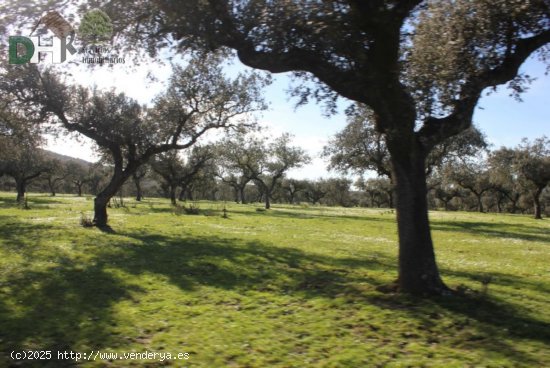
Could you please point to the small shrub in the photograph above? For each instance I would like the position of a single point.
(24, 205)
(193, 209)
(117, 203)
(85, 220)
(178, 210)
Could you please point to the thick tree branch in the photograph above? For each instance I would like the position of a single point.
(436, 130)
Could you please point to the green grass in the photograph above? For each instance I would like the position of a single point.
(289, 287)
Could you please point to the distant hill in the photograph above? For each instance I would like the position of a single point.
(66, 159)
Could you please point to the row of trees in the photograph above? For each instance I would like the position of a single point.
(198, 98)
(250, 167)
(461, 164)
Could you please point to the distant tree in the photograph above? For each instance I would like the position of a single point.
(379, 191)
(197, 164)
(97, 177)
(533, 164)
(176, 171)
(472, 176)
(24, 164)
(57, 173)
(270, 161)
(137, 178)
(199, 98)
(506, 181)
(444, 189)
(315, 190)
(337, 192)
(292, 187)
(205, 184)
(234, 162)
(77, 176)
(20, 155)
(170, 167)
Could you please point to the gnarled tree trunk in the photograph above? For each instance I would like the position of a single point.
(102, 199)
(418, 271)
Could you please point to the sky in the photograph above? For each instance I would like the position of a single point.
(504, 120)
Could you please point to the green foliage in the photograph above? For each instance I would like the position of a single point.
(293, 286)
(95, 26)
(359, 147)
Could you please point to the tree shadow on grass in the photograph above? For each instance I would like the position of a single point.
(70, 305)
(53, 302)
(33, 202)
(480, 321)
(523, 232)
(234, 264)
(254, 266)
(300, 215)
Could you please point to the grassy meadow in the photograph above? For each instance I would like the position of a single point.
(294, 286)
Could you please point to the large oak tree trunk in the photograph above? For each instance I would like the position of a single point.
(100, 210)
(418, 271)
(102, 199)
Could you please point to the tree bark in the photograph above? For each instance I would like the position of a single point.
(479, 203)
(267, 202)
(21, 187)
(79, 188)
(102, 199)
(139, 194)
(242, 195)
(173, 195)
(538, 207)
(100, 210)
(291, 197)
(51, 184)
(418, 271)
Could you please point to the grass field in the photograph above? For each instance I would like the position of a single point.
(289, 287)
